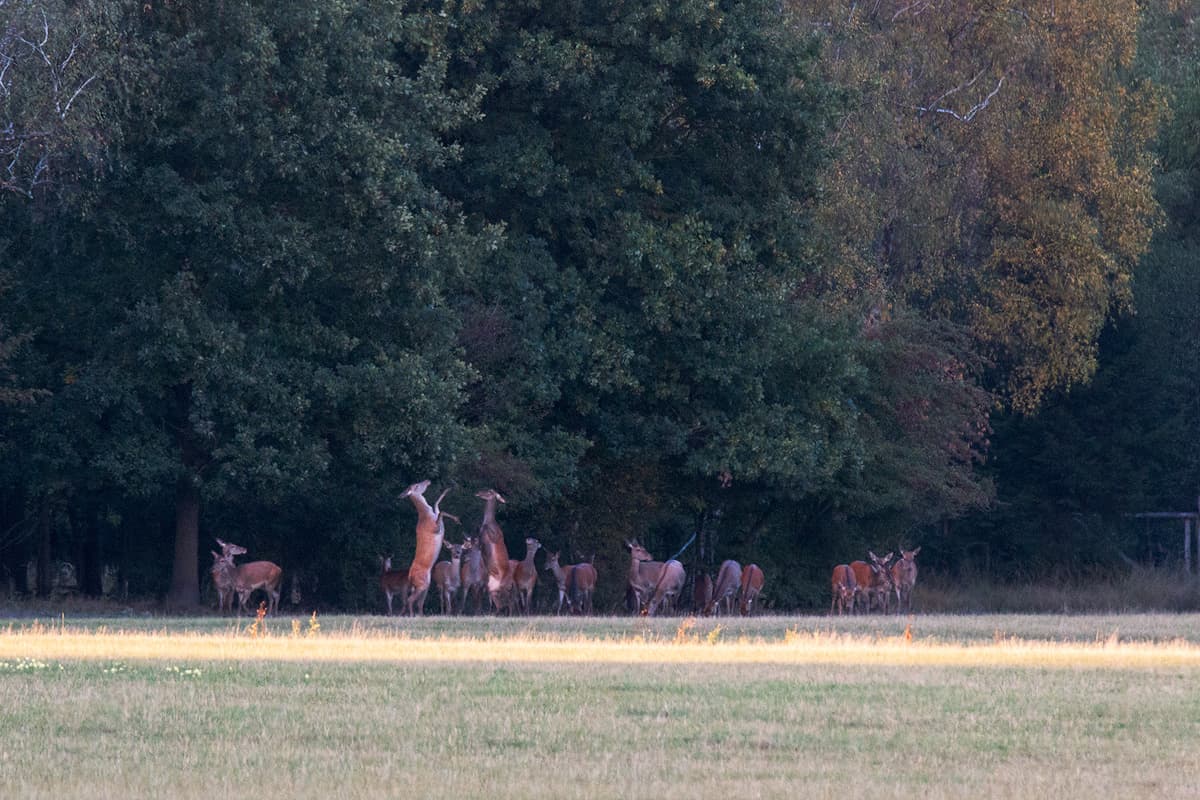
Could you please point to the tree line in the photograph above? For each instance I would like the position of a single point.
(784, 281)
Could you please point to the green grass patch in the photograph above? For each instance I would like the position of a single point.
(106, 725)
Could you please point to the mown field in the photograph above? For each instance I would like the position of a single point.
(349, 707)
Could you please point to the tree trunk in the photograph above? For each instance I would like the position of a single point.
(185, 575)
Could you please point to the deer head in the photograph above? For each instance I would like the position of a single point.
(416, 488)
(230, 549)
(551, 561)
(490, 494)
(638, 551)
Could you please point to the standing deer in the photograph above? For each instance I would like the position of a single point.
(668, 586)
(223, 581)
(702, 593)
(393, 582)
(431, 530)
(904, 578)
(500, 571)
(872, 583)
(473, 575)
(562, 577)
(643, 574)
(729, 582)
(582, 585)
(843, 586)
(246, 578)
(752, 585)
(448, 577)
(576, 582)
(525, 576)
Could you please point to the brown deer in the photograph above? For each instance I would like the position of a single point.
(729, 583)
(495, 552)
(562, 577)
(525, 576)
(448, 577)
(473, 575)
(643, 574)
(843, 586)
(582, 585)
(393, 582)
(752, 585)
(702, 593)
(576, 583)
(223, 582)
(246, 578)
(431, 530)
(668, 586)
(872, 582)
(904, 578)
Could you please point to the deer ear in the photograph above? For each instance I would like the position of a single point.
(916, 551)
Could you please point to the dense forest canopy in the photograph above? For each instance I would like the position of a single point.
(797, 279)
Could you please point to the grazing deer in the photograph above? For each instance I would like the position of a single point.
(431, 530)
(500, 569)
(843, 586)
(904, 578)
(393, 582)
(525, 576)
(668, 586)
(246, 578)
(702, 593)
(473, 575)
(643, 574)
(752, 585)
(448, 577)
(729, 582)
(222, 579)
(582, 585)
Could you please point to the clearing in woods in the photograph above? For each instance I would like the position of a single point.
(977, 706)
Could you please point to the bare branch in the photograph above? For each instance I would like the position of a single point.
(970, 114)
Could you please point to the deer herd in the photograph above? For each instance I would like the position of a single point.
(481, 565)
(863, 586)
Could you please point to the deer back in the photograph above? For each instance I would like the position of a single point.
(729, 581)
(584, 577)
(843, 578)
(671, 578)
(258, 575)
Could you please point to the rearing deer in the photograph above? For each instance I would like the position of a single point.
(431, 530)
(500, 577)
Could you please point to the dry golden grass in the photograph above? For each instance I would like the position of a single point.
(602, 708)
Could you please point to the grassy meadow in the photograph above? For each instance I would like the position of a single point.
(350, 707)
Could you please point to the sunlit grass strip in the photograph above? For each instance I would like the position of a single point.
(795, 648)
